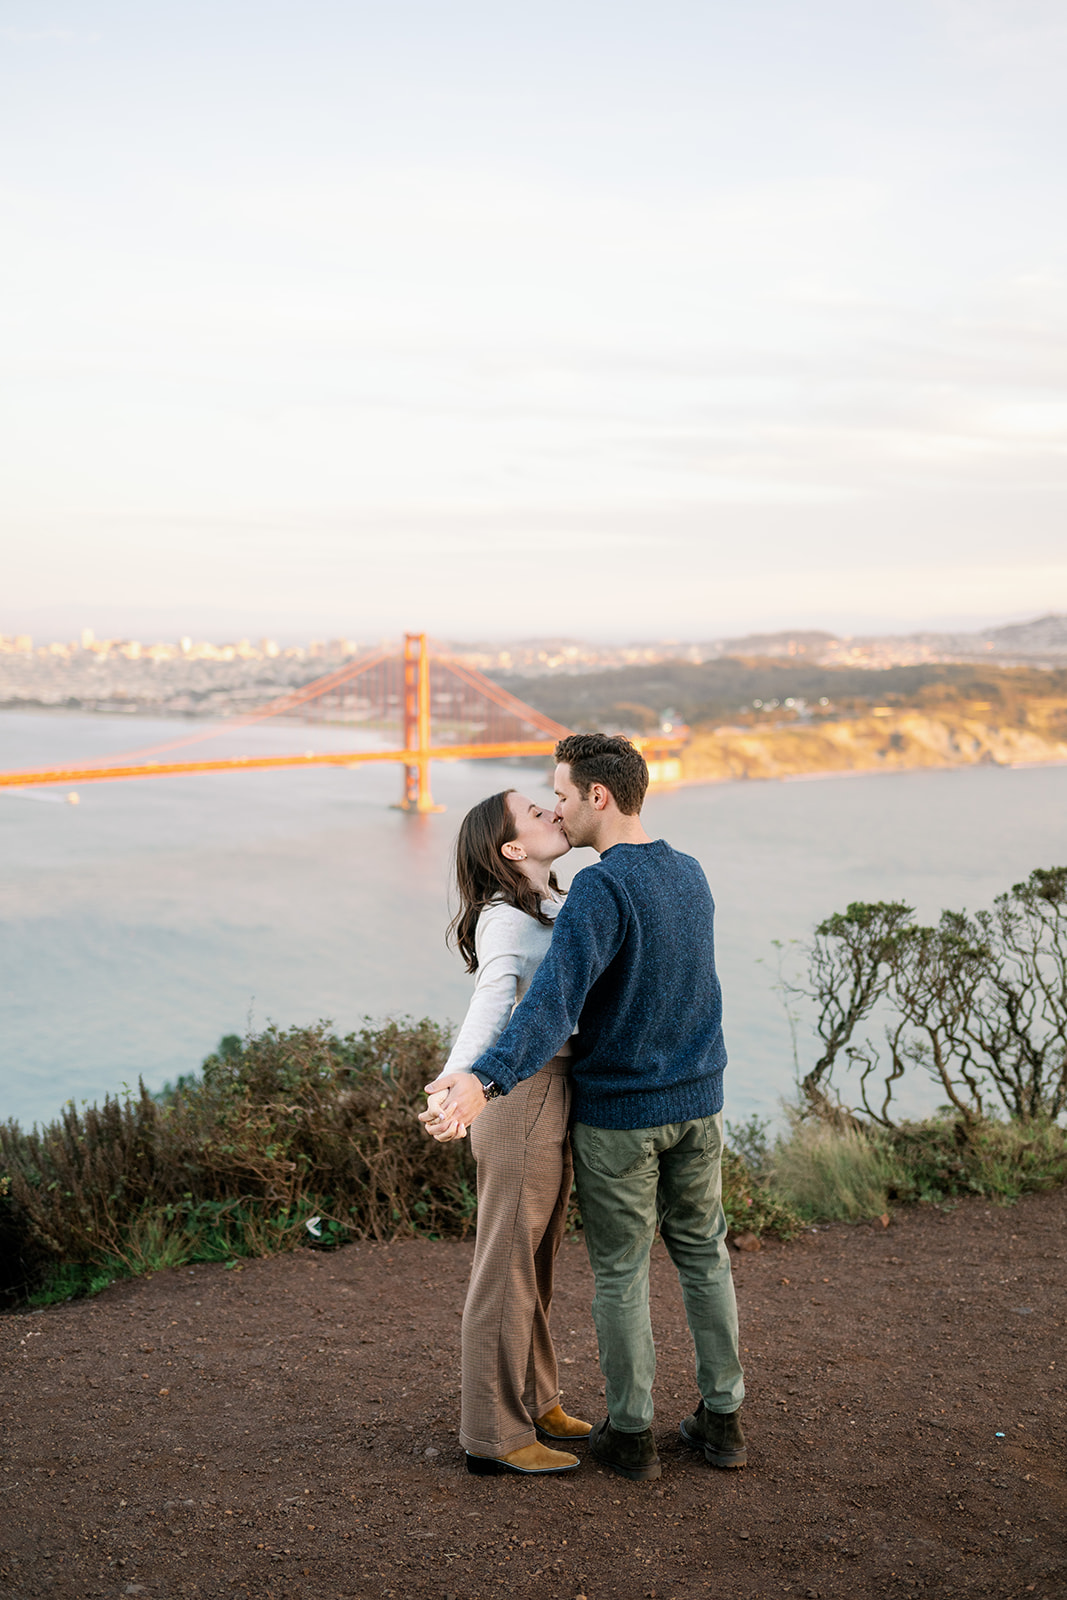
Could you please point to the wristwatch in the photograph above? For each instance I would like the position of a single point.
(490, 1089)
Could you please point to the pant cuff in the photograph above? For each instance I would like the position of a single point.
(537, 1408)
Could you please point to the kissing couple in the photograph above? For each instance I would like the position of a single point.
(592, 1049)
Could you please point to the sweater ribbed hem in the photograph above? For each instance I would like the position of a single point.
(653, 1109)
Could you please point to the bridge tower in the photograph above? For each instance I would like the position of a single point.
(417, 795)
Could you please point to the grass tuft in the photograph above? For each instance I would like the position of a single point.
(834, 1174)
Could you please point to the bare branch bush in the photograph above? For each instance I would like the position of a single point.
(979, 1003)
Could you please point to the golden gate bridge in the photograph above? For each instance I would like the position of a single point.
(441, 708)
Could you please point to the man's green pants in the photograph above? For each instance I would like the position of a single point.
(628, 1181)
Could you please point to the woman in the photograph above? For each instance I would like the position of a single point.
(508, 898)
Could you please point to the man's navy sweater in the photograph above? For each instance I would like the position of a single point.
(632, 963)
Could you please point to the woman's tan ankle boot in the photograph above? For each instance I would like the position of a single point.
(556, 1424)
(531, 1458)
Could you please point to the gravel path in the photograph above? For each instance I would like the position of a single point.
(288, 1429)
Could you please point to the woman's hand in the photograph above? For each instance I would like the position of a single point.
(441, 1127)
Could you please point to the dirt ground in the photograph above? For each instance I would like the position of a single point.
(288, 1429)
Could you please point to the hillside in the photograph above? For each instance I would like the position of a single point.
(638, 696)
(764, 717)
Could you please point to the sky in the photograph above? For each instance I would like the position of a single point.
(595, 318)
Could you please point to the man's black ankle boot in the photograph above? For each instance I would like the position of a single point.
(631, 1455)
(719, 1434)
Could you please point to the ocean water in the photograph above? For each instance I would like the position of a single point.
(139, 926)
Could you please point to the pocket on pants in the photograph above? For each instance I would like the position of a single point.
(613, 1152)
(537, 1100)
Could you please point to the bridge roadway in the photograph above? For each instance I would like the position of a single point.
(336, 758)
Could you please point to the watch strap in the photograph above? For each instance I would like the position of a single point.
(489, 1085)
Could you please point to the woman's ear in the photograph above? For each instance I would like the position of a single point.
(513, 851)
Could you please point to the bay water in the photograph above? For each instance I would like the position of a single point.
(140, 925)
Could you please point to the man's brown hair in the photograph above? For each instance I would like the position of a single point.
(609, 759)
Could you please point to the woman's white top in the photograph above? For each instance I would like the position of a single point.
(510, 946)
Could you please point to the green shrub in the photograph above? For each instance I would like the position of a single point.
(948, 1156)
(752, 1206)
(751, 1141)
(276, 1129)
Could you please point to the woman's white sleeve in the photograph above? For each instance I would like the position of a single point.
(495, 985)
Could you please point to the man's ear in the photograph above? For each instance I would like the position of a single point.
(599, 795)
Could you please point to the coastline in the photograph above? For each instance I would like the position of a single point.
(844, 773)
(887, 741)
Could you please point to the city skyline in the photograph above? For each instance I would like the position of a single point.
(594, 321)
(1033, 639)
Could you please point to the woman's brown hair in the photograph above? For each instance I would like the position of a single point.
(483, 875)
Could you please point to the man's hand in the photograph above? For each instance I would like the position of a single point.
(465, 1098)
(438, 1123)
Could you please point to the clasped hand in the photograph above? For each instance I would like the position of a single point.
(453, 1102)
(437, 1122)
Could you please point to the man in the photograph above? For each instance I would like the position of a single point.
(632, 963)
